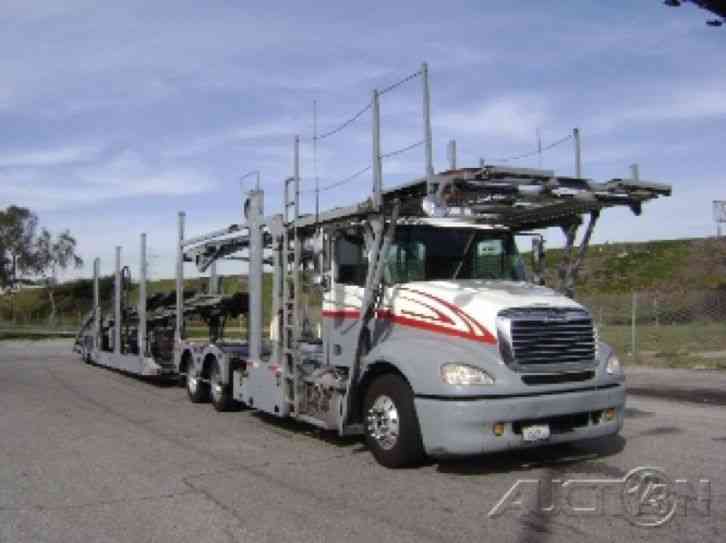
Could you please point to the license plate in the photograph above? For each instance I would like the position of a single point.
(536, 432)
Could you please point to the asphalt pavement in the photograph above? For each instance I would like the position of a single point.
(88, 454)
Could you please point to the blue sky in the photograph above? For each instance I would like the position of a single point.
(114, 117)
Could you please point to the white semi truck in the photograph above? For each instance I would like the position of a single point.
(409, 318)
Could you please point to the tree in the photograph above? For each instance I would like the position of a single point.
(51, 256)
(17, 235)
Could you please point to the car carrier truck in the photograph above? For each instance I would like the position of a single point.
(409, 318)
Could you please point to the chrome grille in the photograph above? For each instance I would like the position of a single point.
(546, 336)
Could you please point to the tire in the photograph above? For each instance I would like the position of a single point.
(197, 391)
(221, 394)
(392, 431)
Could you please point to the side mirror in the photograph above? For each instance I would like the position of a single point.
(538, 256)
(321, 281)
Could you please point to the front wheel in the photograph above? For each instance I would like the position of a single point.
(391, 426)
(197, 391)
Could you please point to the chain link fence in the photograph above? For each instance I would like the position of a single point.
(663, 328)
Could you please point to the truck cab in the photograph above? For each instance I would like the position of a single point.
(474, 357)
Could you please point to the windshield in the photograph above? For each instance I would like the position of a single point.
(426, 253)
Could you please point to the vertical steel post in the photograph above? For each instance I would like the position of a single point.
(296, 285)
(142, 300)
(255, 222)
(377, 167)
(578, 152)
(428, 145)
(539, 149)
(96, 304)
(633, 326)
(315, 159)
(213, 281)
(451, 151)
(179, 332)
(296, 176)
(117, 303)
(278, 309)
(635, 172)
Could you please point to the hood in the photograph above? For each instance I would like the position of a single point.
(467, 307)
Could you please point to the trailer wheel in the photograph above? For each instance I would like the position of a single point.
(85, 355)
(391, 426)
(197, 391)
(221, 394)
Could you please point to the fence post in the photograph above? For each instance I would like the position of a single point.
(633, 326)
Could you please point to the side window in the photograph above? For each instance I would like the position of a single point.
(351, 261)
(489, 261)
(405, 262)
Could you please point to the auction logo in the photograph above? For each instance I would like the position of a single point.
(646, 497)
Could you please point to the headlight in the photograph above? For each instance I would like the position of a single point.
(461, 374)
(613, 367)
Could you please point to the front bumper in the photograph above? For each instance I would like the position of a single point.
(453, 427)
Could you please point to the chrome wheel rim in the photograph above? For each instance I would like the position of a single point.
(383, 422)
(191, 382)
(217, 387)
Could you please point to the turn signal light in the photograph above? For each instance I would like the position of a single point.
(610, 413)
(499, 429)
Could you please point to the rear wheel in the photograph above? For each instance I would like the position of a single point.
(221, 394)
(197, 391)
(391, 427)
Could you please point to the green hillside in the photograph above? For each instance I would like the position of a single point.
(675, 266)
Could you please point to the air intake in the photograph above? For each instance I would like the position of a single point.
(543, 338)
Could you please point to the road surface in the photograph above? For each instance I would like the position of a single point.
(88, 454)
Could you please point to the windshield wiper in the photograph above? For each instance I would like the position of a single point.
(463, 256)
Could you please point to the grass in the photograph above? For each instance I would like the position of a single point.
(668, 265)
(696, 344)
(32, 336)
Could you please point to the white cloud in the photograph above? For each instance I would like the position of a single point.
(695, 102)
(514, 118)
(48, 157)
(125, 175)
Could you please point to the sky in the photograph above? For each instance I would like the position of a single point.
(115, 116)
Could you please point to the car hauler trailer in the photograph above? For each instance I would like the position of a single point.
(119, 338)
(431, 337)
(143, 341)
